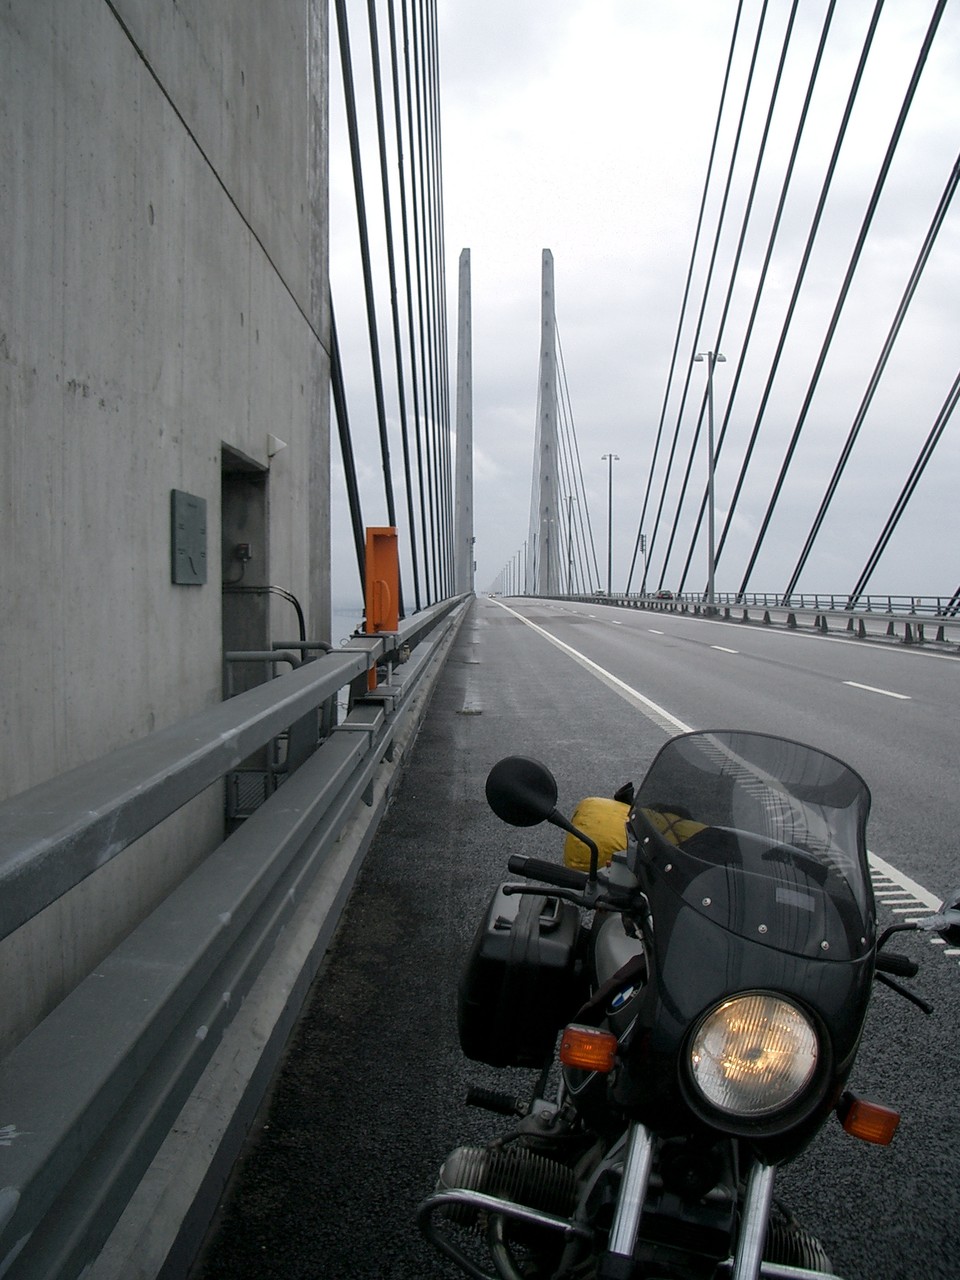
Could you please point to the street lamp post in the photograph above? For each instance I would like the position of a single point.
(610, 459)
(712, 358)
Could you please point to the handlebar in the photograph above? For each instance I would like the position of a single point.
(549, 872)
(895, 963)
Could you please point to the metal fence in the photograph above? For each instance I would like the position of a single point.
(95, 1091)
(905, 619)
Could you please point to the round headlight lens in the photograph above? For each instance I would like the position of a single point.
(753, 1055)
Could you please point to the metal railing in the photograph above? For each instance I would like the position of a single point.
(909, 619)
(92, 1092)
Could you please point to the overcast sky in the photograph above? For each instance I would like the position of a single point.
(585, 128)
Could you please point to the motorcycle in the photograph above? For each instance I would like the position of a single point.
(708, 988)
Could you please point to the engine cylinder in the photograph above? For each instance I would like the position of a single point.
(512, 1173)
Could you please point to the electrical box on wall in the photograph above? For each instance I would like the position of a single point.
(188, 538)
(382, 590)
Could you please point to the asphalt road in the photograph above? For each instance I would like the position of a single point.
(369, 1100)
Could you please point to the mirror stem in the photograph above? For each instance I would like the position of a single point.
(558, 820)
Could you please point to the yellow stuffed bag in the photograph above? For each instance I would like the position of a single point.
(605, 822)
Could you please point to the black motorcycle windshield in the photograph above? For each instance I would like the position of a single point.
(764, 836)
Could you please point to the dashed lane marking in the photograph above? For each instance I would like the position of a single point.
(904, 897)
(652, 710)
(887, 693)
(913, 900)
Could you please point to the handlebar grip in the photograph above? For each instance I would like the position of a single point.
(550, 872)
(895, 963)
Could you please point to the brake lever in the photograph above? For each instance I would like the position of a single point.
(590, 901)
(549, 891)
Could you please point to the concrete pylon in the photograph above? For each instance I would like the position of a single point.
(547, 551)
(463, 527)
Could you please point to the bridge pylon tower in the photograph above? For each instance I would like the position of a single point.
(463, 531)
(545, 553)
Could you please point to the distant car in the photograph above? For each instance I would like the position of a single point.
(663, 595)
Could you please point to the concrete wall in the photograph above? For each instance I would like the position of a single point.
(163, 266)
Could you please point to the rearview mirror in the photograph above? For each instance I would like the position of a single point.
(521, 791)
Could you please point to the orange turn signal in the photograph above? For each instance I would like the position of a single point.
(868, 1120)
(588, 1048)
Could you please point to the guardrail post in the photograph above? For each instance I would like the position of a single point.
(766, 618)
(907, 633)
(792, 621)
(861, 630)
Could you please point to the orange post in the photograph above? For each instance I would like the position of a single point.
(382, 587)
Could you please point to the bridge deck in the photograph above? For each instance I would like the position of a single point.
(369, 1100)
(370, 1097)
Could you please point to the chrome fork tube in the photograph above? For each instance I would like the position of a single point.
(633, 1192)
(753, 1222)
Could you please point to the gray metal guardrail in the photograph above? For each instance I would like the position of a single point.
(93, 1094)
(907, 619)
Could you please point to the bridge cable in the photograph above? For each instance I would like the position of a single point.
(931, 442)
(408, 276)
(533, 532)
(346, 448)
(392, 272)
(428, 196)
(569, 458)
(761, 282)
(441, 310)
(564, 503)
(732, 280)
(415, 134)
(848, 279)
(905, 301)
(706, 287)
(686, 293)
(421, 72)
(801, 273)
(586, 526)
(351, 106)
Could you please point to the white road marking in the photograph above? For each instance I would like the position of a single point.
(888, 693)
(652, 710)
(723, 648)
(916, 650)
(887, 881)
(905, 884)
(881, 869)
(653, 632)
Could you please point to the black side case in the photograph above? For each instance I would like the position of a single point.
(521, 982)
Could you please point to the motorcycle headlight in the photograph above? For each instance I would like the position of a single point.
(753, 1055)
